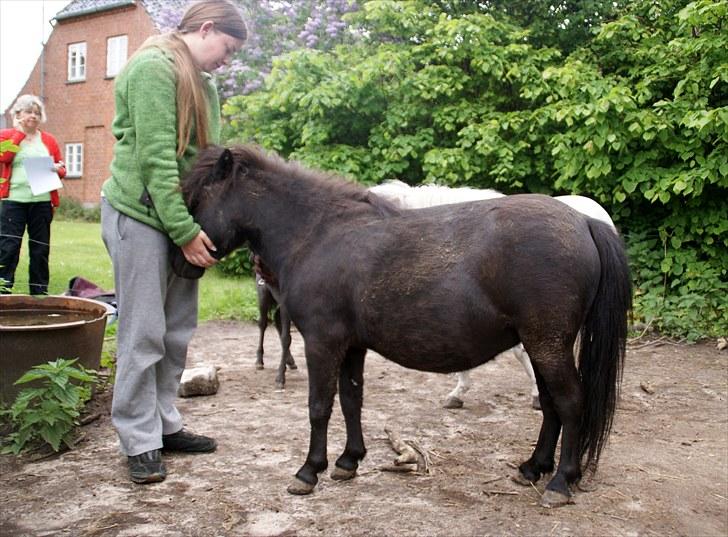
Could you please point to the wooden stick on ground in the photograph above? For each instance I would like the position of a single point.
(407, 455)
(412, 457)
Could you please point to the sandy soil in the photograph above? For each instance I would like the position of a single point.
(664, 472)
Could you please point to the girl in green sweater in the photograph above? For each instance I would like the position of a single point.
(167, 108)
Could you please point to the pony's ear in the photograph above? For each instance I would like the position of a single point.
(223, 166)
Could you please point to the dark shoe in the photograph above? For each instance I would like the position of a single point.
(147, 467)
(188, 442)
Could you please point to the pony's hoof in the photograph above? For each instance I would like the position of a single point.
(588, 482)
(521, 479)
(551, 498)
(300, 488)
(292, 367)
(453, 402)
(341, 474)
(536, 402)
(259, 366)
(280, 387)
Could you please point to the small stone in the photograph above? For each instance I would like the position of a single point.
(200, 380)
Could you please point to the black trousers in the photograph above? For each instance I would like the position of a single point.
(15, 217)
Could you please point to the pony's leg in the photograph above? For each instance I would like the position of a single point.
(285, 334)
(323, 365)
(522, 356)
(264, 305)
(283, 325)
(542, 459)
(351, 395)
(281, 374)
(561, 401)
(455, 397)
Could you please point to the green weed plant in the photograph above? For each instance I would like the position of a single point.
(48, 414)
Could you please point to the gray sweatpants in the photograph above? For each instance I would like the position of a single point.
(157, 317)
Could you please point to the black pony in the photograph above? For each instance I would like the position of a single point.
(440, 289)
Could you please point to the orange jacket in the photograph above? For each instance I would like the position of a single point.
(6, 160)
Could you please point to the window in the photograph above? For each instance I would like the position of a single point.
(76, 62)
(115, 54)
(74, 160)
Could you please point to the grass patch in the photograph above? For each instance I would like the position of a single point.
(77, 250)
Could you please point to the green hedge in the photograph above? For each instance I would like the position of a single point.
(635, 117)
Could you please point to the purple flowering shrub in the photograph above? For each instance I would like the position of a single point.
(275, 28)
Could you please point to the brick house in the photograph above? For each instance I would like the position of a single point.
(74, 76)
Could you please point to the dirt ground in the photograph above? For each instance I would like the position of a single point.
(664, 471)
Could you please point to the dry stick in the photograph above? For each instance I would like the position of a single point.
(95, 530)
(656, 474)
(423, 457)
(402, 468)
(88, 419)
(406, 453)
(615, 516)
(410, 452)
(658, 341)
(647, 327)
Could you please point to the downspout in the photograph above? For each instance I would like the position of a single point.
(42, 74)
(42, 55)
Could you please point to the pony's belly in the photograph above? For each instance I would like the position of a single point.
(431, 352)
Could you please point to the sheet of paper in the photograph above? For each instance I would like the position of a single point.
(42, 176)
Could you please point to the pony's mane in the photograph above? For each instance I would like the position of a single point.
(324, 184)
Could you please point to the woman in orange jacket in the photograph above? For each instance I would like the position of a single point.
(20, 208)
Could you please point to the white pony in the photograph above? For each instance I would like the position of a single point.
(407, 197)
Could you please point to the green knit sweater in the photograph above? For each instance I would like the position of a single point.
(145, 128)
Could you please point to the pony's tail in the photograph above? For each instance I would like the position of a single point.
(603, 341)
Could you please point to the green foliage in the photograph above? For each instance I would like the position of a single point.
(71, 210)
(108, 355)
(485, 95)
(49, 413)
(237, 263)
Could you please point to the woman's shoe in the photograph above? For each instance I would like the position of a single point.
(147, 467)
(188, 442)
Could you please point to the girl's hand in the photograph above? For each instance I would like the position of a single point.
(58, 165)
(197, 251)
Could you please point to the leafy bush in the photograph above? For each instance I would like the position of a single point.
(48, 414)
(108, 354)
(237, 263)
(635, 117)
(73, 211)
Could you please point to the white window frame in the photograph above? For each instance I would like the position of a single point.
(77, 62)
(116, 51)
(74, 160)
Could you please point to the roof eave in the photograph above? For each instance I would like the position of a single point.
(92, 10)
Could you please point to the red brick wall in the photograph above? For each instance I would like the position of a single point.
(82, 112)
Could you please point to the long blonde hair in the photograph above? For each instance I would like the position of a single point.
(192, 103)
